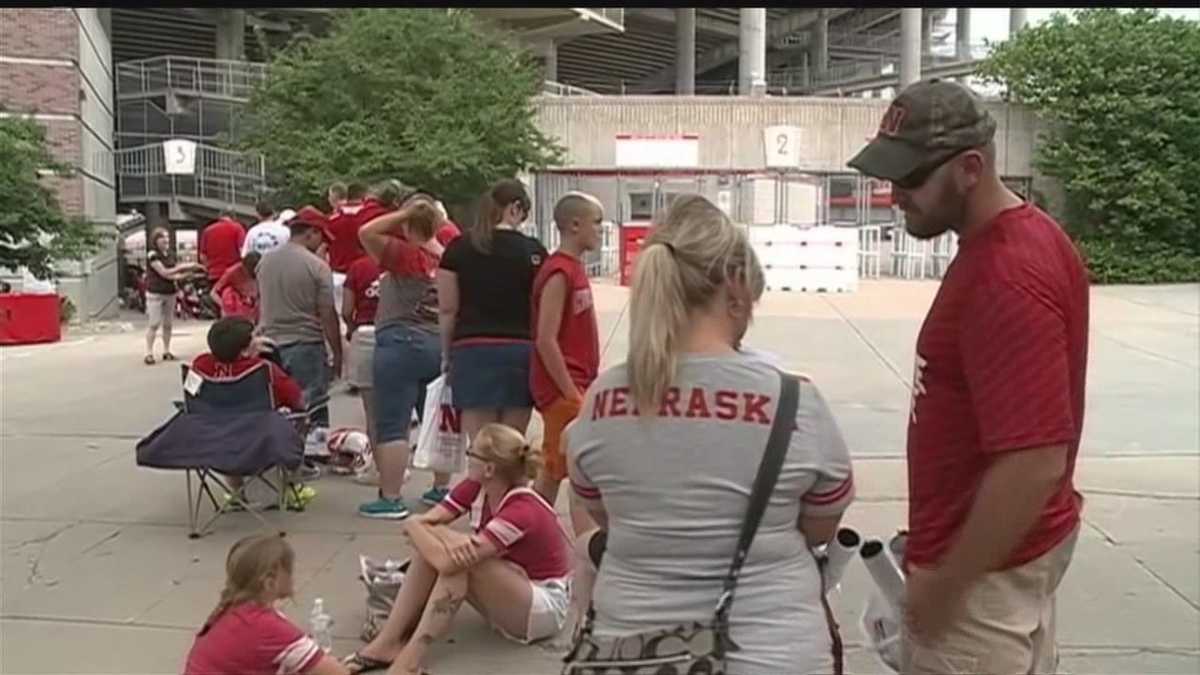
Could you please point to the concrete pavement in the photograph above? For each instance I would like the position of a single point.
(95, 552)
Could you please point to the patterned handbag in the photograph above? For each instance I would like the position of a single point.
(693, 648)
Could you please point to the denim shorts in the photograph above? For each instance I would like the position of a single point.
(491, 375)
(406, 361)
(307, 363)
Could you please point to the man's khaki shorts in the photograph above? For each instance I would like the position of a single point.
(1006, 625)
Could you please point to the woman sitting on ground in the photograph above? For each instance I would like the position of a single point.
(245, 634)
(514, 570)
(678, 431)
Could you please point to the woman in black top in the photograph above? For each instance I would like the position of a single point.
(161, 275)
(484, 287)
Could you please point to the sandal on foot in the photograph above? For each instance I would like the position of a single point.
(168, 356)
(149, 360)
(357, 663)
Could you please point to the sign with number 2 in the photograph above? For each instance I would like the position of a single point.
(781, 145)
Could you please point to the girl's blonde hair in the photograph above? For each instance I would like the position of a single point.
(690, 255)
(505, 447)
(251, 560)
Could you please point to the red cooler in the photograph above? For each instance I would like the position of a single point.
(632, 236)
(26, 318)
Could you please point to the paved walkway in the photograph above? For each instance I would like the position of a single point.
(95, 552)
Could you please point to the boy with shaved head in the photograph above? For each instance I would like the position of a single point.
(566, 340)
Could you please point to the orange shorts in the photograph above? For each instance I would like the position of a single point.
(555, 419)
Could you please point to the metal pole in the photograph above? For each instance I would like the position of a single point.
(910, 45)
(685, 51)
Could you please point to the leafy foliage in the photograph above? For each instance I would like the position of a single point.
(34, 231)
(429, 97)
(1121, 94)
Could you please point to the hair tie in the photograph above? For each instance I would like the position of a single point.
(669, 246)
(525, 451)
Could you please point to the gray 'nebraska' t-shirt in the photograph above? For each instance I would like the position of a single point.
(676, 487)
(293, 284)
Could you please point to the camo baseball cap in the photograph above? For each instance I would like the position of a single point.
(929, 122)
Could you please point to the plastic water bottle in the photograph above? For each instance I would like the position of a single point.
(320, 626)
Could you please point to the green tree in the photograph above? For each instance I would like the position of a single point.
(432, 98)
(34, 231)
(1120, 92)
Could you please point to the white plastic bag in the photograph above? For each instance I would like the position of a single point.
(881, 630)
(441, 443)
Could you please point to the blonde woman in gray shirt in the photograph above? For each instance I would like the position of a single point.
(664, 453)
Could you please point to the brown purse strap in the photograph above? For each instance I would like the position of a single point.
(835, 634)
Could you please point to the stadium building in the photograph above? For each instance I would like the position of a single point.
(692, 99)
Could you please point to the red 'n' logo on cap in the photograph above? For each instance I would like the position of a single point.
(892, 120)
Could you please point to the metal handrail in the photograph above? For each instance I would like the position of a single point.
(552, 88)
(221, 175)
(213, 77)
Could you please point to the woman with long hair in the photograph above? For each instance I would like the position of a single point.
(484, 288)
(514, 569)
(665, 450)
(407, 350)
(161, 274)
(245, 634)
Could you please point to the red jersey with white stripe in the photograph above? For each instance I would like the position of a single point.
(344, 225)
(524, 528)
(251, 639)
(1000, 366)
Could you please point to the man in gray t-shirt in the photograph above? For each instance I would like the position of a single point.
(296, 311)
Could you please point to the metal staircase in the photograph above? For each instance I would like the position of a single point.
(201, 100)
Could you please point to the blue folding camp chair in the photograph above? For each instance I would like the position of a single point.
(229, 426)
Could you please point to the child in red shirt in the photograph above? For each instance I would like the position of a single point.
(235, 351)
(566, 356)
(237, 289)
(246, 633)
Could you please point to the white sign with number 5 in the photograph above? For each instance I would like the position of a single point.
(179, 156)
(781, 146)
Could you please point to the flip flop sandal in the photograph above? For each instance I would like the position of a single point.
(149, 360)
(357, 663)
(168, 356)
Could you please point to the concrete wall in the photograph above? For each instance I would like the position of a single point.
(731, 128)
(56, 64)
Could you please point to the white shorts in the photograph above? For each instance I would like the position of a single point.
(339, 282)
(362, 357)
(548, 611)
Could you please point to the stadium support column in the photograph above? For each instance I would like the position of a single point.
(962, 33)
(820, 45)
(685, 51)
(752, 61)
(1016, 20)
(231, 34)
(549, 60)
(910, 45)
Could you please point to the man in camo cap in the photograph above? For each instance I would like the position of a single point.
(998, 396)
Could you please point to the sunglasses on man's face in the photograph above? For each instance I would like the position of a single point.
(921, 174)
(477, 456)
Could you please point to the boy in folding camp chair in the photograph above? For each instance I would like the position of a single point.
(234, 350)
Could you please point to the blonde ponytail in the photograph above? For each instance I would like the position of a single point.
(682, 266)
(658, 316)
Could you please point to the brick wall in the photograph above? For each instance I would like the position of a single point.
(39, 88)
(39, 33)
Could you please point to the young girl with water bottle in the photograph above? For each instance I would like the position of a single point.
(245, 634)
